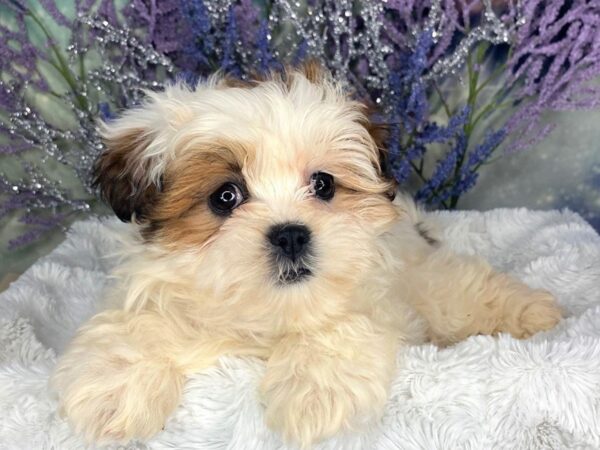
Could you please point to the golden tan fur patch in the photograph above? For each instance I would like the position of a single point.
(181, 217)
(312, 70)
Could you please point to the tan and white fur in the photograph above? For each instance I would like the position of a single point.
(196, 285)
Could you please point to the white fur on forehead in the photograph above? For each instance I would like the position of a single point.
(300, 113)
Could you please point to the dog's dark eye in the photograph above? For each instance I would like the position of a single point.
(322, 185)
(225, 199)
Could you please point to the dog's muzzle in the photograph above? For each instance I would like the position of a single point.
(290, 244)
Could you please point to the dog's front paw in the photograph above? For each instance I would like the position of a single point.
(337, 379)
(306, 413)
(110, 387)
(540, 313)
(117, 401)
(312, 402)
(529, 311)
(95, 409)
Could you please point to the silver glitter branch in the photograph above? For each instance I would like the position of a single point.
(120, 69)
(329, 31)
(492, 30)
(110, 67)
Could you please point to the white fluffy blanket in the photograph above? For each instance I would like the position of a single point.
(484, 393)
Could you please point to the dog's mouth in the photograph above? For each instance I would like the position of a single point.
(294, 275)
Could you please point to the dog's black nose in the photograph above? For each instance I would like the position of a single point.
(290, 240)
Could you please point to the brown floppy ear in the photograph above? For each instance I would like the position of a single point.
(122, 175)
(380, 133)
(313, 70)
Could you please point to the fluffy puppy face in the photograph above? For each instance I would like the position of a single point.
(273, 189)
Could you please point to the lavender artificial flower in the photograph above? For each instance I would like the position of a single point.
(200, 41)
(265, 60)
(555, 56)
(436, 191)
(108, 11)
(38, 227)
(482, 152)
(404, 18)
(433, 132)
(51, 8)
(163, 22)
(409, 100)
(439, 186)
(412, 129)
(466, 179)
(248, 16)
(228, 61)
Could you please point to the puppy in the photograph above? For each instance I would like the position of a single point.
(265, 228)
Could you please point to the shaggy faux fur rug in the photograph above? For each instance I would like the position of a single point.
(484, 393)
